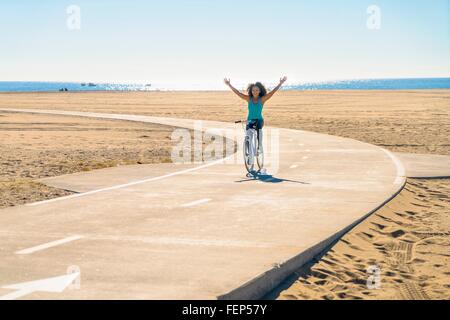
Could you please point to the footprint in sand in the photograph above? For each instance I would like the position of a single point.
(397, 233)
(365, 236)
(412, 291)
(400, 256)
(421, 205)
(379, 226)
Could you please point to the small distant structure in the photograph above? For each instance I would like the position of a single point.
(148, 85)
(63, 89)
(92, 84)
(83, 84)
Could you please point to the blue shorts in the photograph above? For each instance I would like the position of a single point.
(255, 124)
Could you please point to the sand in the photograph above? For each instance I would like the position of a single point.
(408, 239)
(404, 121)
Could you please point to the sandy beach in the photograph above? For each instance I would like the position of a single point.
(403, 121)
(407, 239)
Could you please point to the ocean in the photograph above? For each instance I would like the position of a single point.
(364, 84)
(31, 86)
(375, 84)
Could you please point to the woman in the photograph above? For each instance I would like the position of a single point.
(256, 97)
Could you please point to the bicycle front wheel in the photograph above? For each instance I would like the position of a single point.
(248, 156)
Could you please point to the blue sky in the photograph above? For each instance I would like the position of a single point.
(201, 41)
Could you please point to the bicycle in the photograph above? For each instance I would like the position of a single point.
(250, 149)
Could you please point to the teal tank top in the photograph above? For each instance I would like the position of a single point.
(255, 109)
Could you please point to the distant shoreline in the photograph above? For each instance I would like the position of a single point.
(357, 84)
(218, 91)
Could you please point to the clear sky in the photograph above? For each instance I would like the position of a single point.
(201, 41)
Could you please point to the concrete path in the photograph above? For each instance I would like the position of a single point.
(416, 166)
(425, 165)
(202, 232)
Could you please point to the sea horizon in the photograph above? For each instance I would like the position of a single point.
(344, 84)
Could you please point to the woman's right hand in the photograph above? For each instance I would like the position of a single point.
(227, 81)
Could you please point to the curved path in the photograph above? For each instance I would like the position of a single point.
(425, 166)
(202, 231)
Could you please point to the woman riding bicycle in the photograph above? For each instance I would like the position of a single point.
(256, 97)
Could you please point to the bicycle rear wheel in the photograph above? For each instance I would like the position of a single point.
(260, 156)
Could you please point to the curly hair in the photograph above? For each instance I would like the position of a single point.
(262, 89)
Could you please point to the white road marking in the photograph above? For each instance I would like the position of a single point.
(184, 241)
(56, 284)
(194, 203)
(293, 166)
(164, 240)
(77, 195)
(400, 168)
(49, 245)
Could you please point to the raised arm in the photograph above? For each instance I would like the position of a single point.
(240, 94)
(271, 93)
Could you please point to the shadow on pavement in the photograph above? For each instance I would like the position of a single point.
(268, 178)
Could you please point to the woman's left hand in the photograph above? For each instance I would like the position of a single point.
(283, 80)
